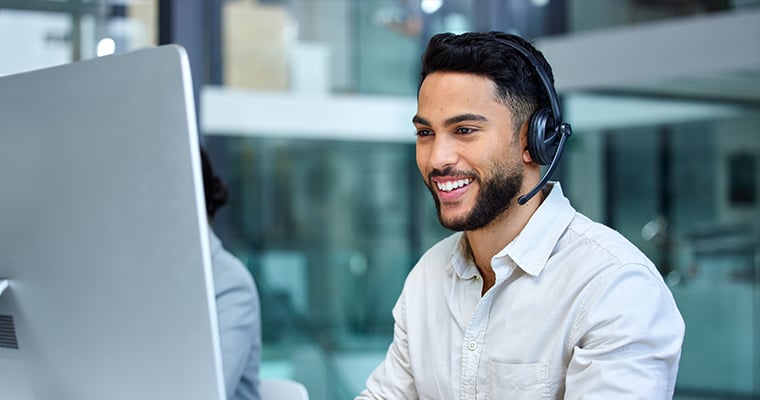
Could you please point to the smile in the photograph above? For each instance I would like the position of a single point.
(452, 185)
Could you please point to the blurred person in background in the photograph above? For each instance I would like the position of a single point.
(237, 302)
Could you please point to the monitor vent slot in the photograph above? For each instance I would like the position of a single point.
(8, 333)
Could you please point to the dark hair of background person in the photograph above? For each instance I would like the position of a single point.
(214, 188)
(518, 85)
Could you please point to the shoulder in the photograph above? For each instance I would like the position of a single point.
(603, 245)
(439, 253)
(229, 272)
(436, 262)
(444, 247)
(599, 263)
(614, 274)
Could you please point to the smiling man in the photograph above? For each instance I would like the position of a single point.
(528, 299)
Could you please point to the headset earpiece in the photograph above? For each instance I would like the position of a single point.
(541, 148)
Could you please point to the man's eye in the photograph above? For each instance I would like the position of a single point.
(465, 131)
(424, 132)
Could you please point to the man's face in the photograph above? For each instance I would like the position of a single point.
(466, 150)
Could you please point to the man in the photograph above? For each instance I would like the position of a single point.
(529, 300)
(237, 302)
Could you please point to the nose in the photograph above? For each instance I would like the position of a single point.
(441, 152)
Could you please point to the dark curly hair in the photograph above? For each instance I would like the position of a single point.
(486, 54)
(214, 188)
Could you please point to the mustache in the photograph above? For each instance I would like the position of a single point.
(450, 171)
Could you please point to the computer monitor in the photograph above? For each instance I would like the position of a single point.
(103, 234)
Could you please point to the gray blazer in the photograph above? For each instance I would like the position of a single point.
(239, 315)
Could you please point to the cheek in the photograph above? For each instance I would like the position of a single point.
(508, 151)
(493, 160)
(488, 155)
(422, 157)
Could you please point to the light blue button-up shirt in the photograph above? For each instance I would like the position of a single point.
(576, 312)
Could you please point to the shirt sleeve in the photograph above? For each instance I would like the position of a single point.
(627, 338)
(393, 378)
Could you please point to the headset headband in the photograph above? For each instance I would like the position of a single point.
(543, 76)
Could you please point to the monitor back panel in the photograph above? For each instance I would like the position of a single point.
(103, 233)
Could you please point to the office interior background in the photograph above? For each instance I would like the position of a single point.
(306, 106)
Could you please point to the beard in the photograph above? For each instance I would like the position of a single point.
(496, 196)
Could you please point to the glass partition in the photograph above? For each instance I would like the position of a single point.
(329, 230)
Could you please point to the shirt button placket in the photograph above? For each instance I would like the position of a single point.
(469, 370)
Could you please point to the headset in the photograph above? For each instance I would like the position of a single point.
(547, 133)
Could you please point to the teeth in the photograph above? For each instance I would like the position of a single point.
(451, 185)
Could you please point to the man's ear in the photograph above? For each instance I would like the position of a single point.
(526, 157)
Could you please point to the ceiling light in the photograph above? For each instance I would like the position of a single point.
(430, 6)
(106, 46)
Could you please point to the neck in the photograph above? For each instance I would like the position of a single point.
(487, 241)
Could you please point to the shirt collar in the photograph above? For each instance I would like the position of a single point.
(531, 249)
(461, 260)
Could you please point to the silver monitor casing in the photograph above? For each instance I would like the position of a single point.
(103, 234)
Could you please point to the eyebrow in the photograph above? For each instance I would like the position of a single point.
(453, 120)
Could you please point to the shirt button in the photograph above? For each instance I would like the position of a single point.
(472, 345)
